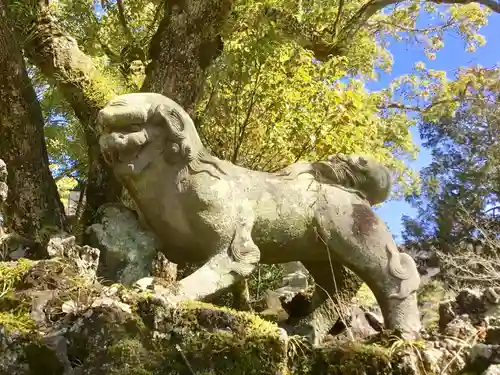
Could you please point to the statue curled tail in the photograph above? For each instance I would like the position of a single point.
(359, 174)
(402, 266)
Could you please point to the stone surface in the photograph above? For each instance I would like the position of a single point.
(128, 251)
(460, 327)
(56, 319)
(479, 308)
(85, 257)
(295, 278)
(492, 370)
(484, 353)
(232, 218)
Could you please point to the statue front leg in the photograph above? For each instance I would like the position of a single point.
(221, 271)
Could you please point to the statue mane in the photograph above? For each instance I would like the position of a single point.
(203, 161)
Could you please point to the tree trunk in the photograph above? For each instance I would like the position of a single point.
(187, 42)
(59, 58)
(33, 203)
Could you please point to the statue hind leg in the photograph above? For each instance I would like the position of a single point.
(363, 243)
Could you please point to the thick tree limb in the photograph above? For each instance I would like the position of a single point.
(59, 58)
(342, 37)
(123, 20)
(33, 204)
(186, 43)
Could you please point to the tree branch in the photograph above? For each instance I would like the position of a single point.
(342, 39)
(337, 19)
(67, 172)
(113, 57)
(461, 96)
(123, 20)
(240, 138)
(156, 17)
(443, 26)
(416, 108)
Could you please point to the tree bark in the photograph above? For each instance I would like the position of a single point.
(186, 43)
(33, 203)
(59, 58)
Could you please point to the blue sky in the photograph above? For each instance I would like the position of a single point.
(450, 58)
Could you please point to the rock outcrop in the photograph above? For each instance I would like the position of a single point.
(56, 318)
(128, 250)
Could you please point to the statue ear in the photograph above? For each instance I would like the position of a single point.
(169, 117)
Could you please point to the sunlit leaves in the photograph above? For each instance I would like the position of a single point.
(470, 18)
(64, 187)
(269, 103)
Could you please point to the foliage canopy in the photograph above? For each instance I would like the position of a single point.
(291, 80)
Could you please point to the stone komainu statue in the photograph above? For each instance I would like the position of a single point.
(231, 218)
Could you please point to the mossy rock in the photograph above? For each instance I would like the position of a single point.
(380, 357)
(115, 330)
(429, 297)
(197, 338)
(14, 310)
(127, 333)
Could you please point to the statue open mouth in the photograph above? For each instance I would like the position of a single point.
(125, 150)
